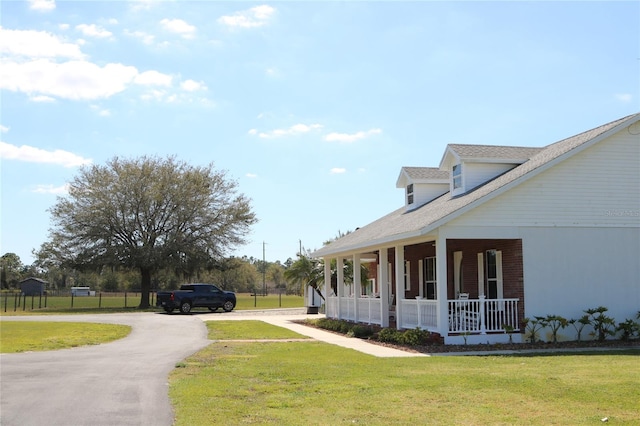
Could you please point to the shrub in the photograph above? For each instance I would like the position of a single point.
(415, 337)
(389, 335)
(555, 323)
(603, 325)
(579, 324)
(628, 329)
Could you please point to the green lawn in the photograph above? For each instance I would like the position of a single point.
(314, 383)
(18, 336)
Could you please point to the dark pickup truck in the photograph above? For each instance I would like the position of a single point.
(196, 296)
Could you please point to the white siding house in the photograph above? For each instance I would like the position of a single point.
(504, 233)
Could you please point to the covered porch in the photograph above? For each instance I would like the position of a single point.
(466, 290)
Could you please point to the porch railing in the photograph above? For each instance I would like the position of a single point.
(464, 316)
(369, 309)
(483, 315)
(418, 313)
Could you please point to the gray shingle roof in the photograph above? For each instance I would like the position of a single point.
(425, 173)
(401, 224)
(493, 151)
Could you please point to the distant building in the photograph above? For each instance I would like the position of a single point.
(33, 286)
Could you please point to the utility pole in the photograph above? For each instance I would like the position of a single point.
(264, 272)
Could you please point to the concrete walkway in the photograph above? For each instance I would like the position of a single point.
(286, 318)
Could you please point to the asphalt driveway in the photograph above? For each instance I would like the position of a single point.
(118, 383)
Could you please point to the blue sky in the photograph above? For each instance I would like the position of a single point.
(313, 107)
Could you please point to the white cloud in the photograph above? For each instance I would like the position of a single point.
(138, 5)
(192, 86)
(92, 30)
(624, 97)
(42, 5)
(337, 170)
(36, 155)
(42, 98)
(145, 38)
(50, 189)
(70, 80)
(153, 78)
(36, 44)
(251, 18)
(350, 137)
(3, 129)
(253, 132)
(180, 27)
(101, 112)
(296, 129)
(64, 27)
(251, 175)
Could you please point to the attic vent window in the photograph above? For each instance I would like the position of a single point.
(410, 193)
(457, 176)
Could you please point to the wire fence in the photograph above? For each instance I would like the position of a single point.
(65, 299)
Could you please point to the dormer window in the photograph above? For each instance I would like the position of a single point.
(457, 176)
(410, 193)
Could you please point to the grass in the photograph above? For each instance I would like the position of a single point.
(241, 330)
(17, 336)
(120, 303)
(313, 383)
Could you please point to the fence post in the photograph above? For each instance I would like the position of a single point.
(32, 297)
(100, 300)
(40, 301)
(24, 302)
(71, 299)
(45, 300)
(125, 299)
(6, 296)
(15, 302)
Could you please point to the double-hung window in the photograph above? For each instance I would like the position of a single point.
(430, 278)
(410, 193)
(457, 176)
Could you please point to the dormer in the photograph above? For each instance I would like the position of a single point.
(471, 166)
(422, 185)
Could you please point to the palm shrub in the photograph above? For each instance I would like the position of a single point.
(555, 323)
(603, 325)
(579, 325)
(628, 329)
(533, 326)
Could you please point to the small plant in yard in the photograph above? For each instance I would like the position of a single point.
(603, 325)
(533, 326)
(465, 335)
(555, 323)
(579, 325)
(507, 329)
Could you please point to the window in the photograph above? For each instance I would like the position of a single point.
(407, 275)
(410, 193)
(457, 176)
(493, 265)
(430, 278)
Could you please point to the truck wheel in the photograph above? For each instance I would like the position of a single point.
(168, 310)
(228, 306)
(185, 307)
(214, 309)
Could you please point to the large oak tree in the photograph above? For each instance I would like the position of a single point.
(149, 213)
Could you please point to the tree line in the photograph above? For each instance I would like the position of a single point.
(152, 223)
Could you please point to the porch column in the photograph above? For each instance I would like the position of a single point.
(327, 282)
(399, 284)
(340, 283)
(384, 287)
(357, 286)
(441, 285)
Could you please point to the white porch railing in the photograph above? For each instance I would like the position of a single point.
(483, 315)
(369, 309)
(474, 316)
(418, 313)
